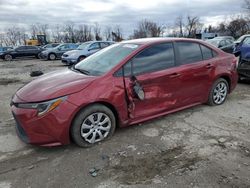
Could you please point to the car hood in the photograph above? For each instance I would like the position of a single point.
(74, 53)
(49, 50)
(53, 85)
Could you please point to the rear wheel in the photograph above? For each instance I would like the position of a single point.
(52, 56)
(93, 124)
(219, 92)
(8, 57)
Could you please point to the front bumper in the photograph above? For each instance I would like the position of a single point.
(43, 56)
(68, 61)
(49, 130)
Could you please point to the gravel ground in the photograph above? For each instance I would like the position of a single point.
(199, 147)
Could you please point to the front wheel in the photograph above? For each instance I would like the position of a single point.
(219, 92)
(8, 57)
(52, 56)
(93, 124)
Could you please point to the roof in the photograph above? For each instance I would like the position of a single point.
(157, 39)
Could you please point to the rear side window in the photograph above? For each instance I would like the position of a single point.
(190, 52)
(155, 58)
(207, 53)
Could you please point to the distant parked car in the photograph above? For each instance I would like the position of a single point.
(225, 37)
(3, 49)
(51, 45)
(21, 51)
(83, 51)
(242, 49)
(56, 53)
(227, 45)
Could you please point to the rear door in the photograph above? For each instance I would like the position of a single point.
(196, 63)
(154, 70)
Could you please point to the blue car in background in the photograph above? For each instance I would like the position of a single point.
(242, 49)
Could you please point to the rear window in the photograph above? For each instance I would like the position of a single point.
(207, 53)
(189, 52)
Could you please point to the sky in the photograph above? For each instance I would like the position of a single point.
(126, 13)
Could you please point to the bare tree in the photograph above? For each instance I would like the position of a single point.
(180, 24)
(97, 32)
(117, 34)
(69, 30)
(238, 27)
(147, 29)
(192, 26)
(14, 36)
(108, 33)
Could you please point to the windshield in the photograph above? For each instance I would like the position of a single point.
(83, 46)
(214, 42)
(240, 39)
(59, 46)
(106, 59)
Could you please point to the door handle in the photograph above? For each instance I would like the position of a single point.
(174, 75)
(209, 66)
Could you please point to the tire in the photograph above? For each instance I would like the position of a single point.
(86, 129)
(8, 57)
(52, 56)
(218, 92)
(81, 58)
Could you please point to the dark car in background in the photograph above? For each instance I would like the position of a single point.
(242, 49)
(124, 84)
(21, 51)
(57, 52)
(227, 45)
(84, 50)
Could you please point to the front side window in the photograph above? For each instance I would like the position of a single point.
(155, 58)
(189, 52)
(94, 46)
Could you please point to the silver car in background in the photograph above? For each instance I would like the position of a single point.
(84, 50)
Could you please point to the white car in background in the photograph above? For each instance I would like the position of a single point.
(84, 50)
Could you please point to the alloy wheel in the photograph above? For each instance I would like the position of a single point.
(95, 127)
(220, 93)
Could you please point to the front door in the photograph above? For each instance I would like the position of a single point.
(153, 70)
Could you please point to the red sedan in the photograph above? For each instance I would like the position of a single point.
(124, 84)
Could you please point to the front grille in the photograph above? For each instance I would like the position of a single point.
(20, 131)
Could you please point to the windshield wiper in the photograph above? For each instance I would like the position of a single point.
(80, 70)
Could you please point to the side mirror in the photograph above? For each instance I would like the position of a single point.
(59, 49)
(137, 88)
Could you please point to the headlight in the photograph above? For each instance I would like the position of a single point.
(43, 107)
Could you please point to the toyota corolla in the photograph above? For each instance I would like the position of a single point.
(124, 84)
